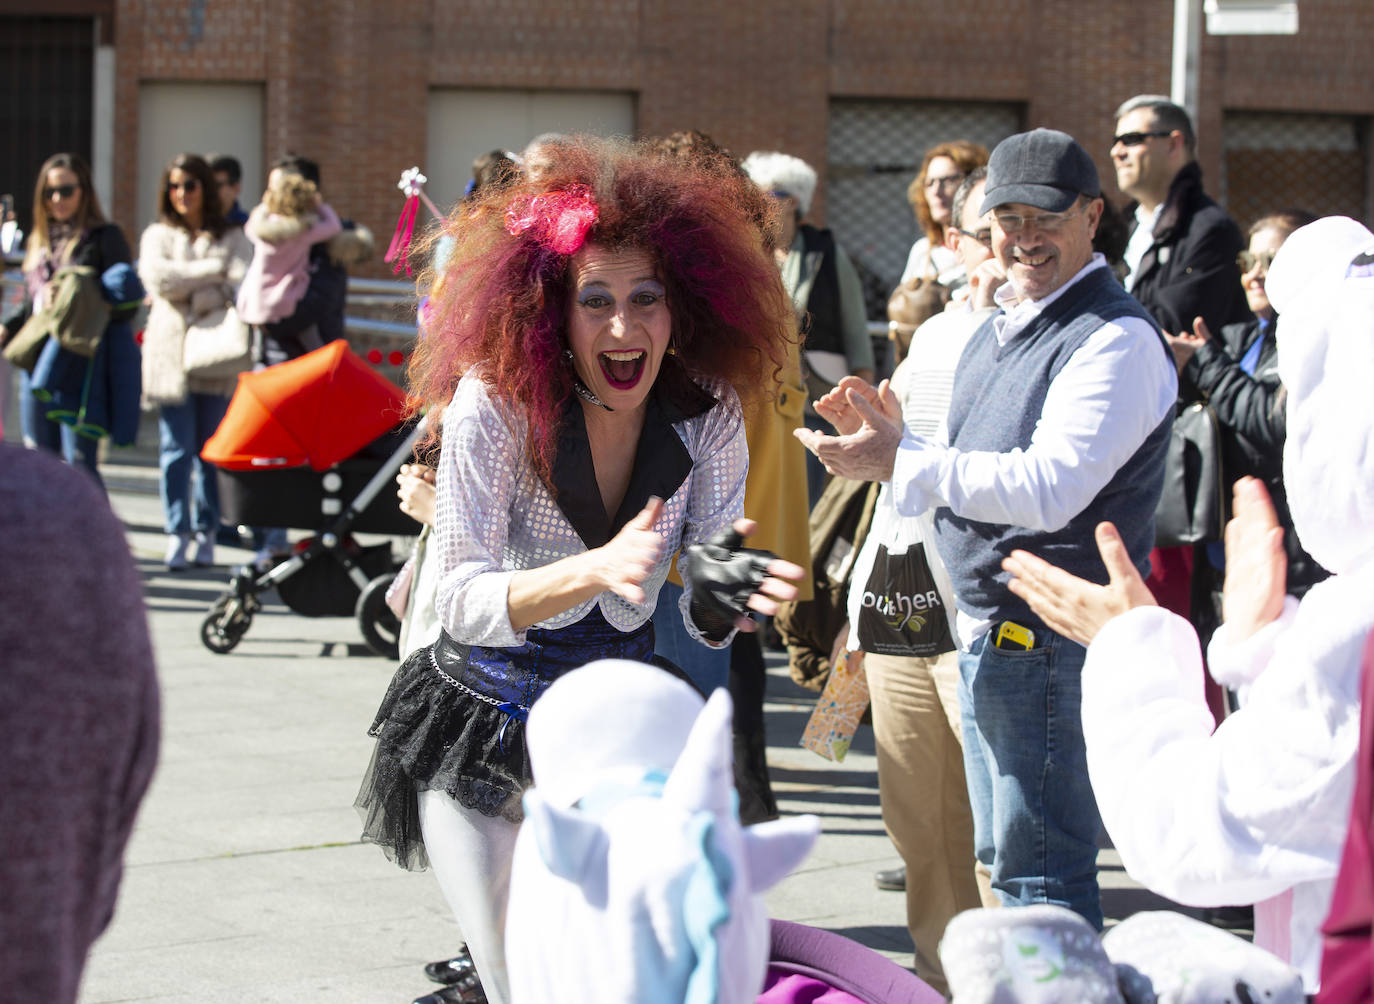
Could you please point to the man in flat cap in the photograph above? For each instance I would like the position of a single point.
(1059, 421)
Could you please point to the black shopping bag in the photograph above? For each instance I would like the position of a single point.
(903, 612)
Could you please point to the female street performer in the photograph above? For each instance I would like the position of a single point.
(583, 351)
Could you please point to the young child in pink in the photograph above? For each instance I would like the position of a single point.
(290, 218)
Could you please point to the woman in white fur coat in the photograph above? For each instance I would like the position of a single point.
(1255, 811)
(191, 261)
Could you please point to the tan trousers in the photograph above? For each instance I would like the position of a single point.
(924, 798)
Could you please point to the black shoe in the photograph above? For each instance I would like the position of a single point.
(891, 879)
(454, 970)
(468, 990)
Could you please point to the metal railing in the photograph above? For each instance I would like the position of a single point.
(361, 293)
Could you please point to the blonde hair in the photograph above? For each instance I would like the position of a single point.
(289, 194)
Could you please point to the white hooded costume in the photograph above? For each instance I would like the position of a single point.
(633, 881)
(1257, 811)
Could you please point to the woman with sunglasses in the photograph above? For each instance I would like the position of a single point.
(1237, 374)
(191, 261)
(69, 228)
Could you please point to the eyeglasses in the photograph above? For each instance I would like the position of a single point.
(1248, 260)
(61, 191)
(948, 181)
(983, 237)
(1014, 223)
(189, 185)
(1136, 138)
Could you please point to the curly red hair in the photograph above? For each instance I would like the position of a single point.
(499, 301)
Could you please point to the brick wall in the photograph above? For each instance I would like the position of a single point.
(346, 80)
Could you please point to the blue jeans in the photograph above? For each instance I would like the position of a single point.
(182, 432)
(707, 668)
(1035, 820)
(41, 432)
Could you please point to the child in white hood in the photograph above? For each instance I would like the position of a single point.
(1256, 811)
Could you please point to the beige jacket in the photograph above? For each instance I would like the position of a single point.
(185, 277)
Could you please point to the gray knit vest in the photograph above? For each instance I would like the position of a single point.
(999, 394)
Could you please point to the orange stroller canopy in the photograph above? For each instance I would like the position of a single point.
(317, 410)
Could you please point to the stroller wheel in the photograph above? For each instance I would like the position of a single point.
(226, 624)
(381, 628)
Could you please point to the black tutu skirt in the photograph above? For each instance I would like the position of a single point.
(453, 720)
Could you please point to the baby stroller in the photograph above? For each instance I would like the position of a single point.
(312, 444)
(809, 963)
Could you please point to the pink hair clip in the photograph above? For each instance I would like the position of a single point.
(562, 217)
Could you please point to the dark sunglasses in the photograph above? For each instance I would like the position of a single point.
(61, 191)
(1247, 260)
(189, 185)
(1136, 138)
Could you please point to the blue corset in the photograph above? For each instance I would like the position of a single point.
(512, 679)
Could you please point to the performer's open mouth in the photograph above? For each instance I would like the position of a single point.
(623, 369)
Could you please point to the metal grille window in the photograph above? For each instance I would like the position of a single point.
(875, 151)
(1279, 160)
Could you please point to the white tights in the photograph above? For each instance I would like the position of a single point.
(471, 857)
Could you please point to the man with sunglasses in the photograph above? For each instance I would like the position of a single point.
(1182, 249)
(1059, 420)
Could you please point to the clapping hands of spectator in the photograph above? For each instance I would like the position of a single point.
(1074, 607)
(1185, 343)
(1256, 565)
(416, 492)
(869, 422)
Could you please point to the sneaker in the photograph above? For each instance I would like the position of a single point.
(205, 550)
(177, 546)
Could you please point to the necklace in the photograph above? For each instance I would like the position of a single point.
(585, 393)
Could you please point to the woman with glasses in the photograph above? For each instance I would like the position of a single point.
(1236, 372)
(69, 228)
(932, 198)
(191, 262)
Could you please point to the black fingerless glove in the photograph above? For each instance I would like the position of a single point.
(722, 576)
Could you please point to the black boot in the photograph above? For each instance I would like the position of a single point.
(747, 675)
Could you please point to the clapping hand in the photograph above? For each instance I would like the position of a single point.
(628, 558)
(779, 586)
(1186, 343)
(416, 492)
(1256, 566)
(1074, 607)
(869, 422)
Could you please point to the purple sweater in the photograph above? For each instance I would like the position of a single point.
(78, 720)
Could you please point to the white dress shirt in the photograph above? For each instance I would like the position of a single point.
(1111, 394)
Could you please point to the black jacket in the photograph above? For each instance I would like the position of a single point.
(1250, 409)
(1190, 270)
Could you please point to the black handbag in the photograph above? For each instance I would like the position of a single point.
(1192, 508)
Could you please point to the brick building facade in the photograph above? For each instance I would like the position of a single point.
(352, 82)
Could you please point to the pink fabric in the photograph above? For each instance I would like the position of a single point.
(399, 250)
(791, 988)
(1274, 924)
(560, 219)
(278, 274)
(1348, 951)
